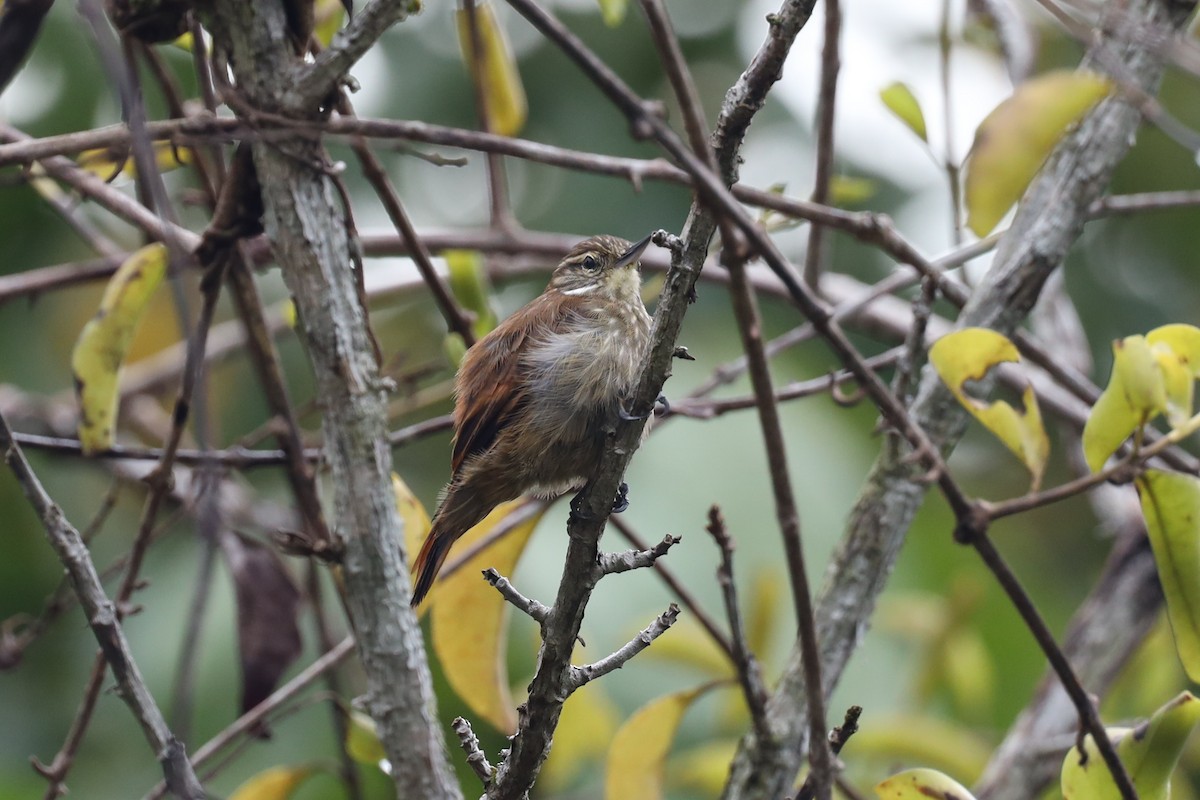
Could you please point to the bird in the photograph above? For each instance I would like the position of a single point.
(533, 397)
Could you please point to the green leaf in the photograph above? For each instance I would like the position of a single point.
(848, 190)
(1149, 753)
(922, 784)
(968, 355)
(901, 101)
(1014, 140)
(1171, 505)
(470, 286)
(1177, 349)
(613, 11)
(1135, 394)
(362, 740)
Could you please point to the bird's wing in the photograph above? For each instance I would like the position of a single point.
(490, 388)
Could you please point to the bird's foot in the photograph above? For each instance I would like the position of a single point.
(661, 400)
(621, 501)
(577, 510)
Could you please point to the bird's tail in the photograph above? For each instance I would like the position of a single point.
(429, 562)
(460, 511)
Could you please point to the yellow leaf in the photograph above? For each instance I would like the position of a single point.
(106, 163)
(1171, 505)
(968, 355)
(1135, 394)
(765, 603)
(414, 516)
(362, 739)
(104, 342)
(922, 784)
(613, 11)
(901, 101)
(502, 88)
(588, 722)
(705, 767)
(470, 619)
(276, 783)
(288, 312)
(1149, 753)
(925, 740)
(634, 770)
(1177, 350)
(1014, 140)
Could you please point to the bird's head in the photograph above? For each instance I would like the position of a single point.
(601, 267)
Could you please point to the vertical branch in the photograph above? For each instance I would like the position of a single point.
(307, 229)
(826, 101)
(456, 319)
(748, 672)
(949, 152)
(745, 310)
(501, 208)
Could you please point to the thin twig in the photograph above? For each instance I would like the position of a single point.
(531, 608)
(612, 563)
(375, 174)
(104, 620)
(498, 200)
(745, 664)
(254, 717)
(745, 309)
(477, 760)
(1089, 717)
(831, 64)
(681, 592)
(949, 151)
(589, 672)
(837, 740)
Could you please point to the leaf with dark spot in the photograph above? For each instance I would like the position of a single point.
(267, 606)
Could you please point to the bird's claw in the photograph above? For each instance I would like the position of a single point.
(661, 400)
(621, 501)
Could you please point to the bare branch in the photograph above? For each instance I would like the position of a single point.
(589, 672)
(316, 83)
(748, 671)
(611, 563)
(531, 608)
(250, 721)
(476, 759)
(103, 618)
(831, 64)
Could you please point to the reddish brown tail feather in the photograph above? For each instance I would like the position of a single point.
(429, 563)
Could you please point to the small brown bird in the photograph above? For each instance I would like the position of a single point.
(534, 395)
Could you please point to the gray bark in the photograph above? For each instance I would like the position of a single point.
(305, 222)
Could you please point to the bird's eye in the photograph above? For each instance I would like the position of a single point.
(590, 263)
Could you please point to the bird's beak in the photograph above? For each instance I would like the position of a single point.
(630, 256)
